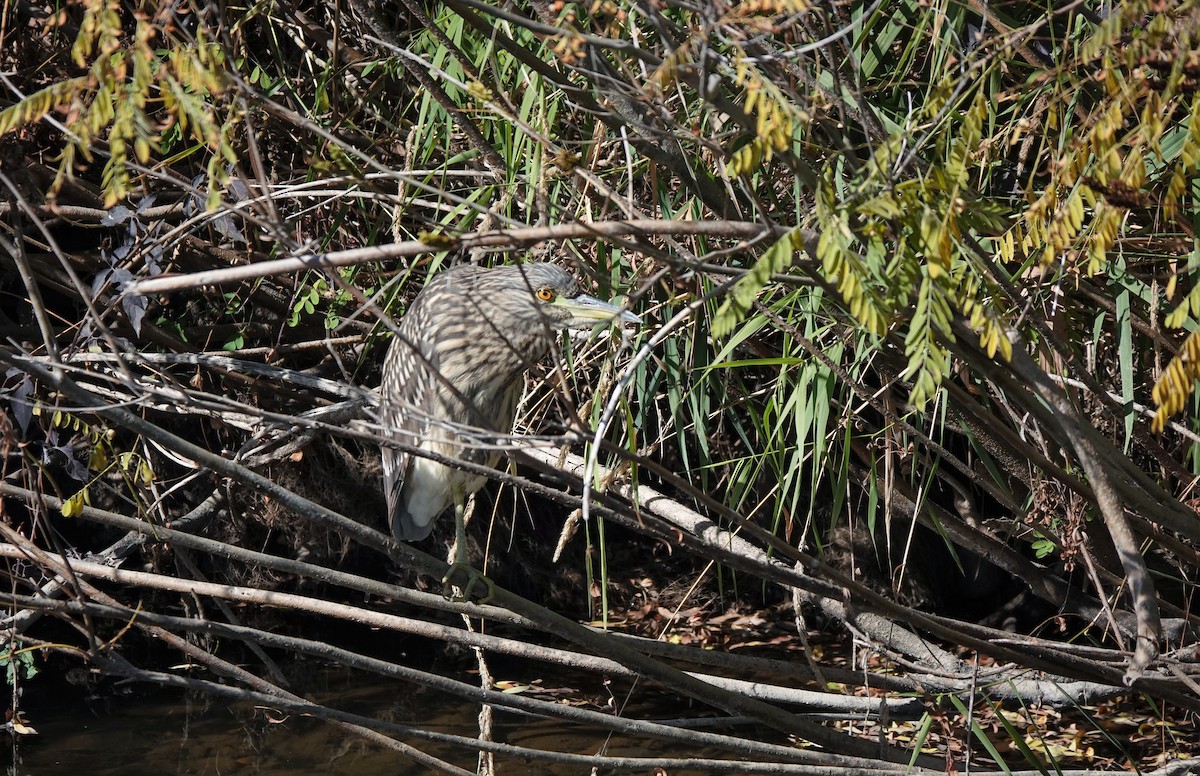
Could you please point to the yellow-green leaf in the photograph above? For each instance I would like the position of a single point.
(73, 507)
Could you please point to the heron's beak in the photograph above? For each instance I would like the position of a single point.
(588, 310)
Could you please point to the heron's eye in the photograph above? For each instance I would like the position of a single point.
(546, 294)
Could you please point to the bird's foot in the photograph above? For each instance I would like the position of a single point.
(462, 579)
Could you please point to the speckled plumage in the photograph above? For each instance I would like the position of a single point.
(480, 330)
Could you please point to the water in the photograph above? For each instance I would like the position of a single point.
(152, 731)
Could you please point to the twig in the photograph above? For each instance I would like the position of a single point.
(453, 687)
(651, 669)
(506, 239)
(214, 663)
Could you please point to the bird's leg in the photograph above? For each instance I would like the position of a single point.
(461, 567)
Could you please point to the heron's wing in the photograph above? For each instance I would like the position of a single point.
(407, 391)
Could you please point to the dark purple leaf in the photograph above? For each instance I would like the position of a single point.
(17, 396)
(98, 283)
(76, 469)
(134, 306)
(227, 227)
(53, 453)
(118, 215)
(195, 200)
(154, 261)
(238, 190)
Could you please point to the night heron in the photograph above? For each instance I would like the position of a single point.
(452, 379)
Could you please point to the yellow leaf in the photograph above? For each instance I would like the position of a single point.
(73, 507)
(98, 459)
(20, 728)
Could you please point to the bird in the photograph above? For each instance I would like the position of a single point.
(453, 376)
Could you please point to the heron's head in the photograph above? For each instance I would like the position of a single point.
(546, 295)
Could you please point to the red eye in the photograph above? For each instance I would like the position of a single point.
(545, 294)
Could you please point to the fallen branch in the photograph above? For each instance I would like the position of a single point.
(507, 239)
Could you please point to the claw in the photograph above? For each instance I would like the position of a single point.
(454, 590)
(461, 567)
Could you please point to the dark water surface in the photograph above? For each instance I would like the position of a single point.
(169, 732)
